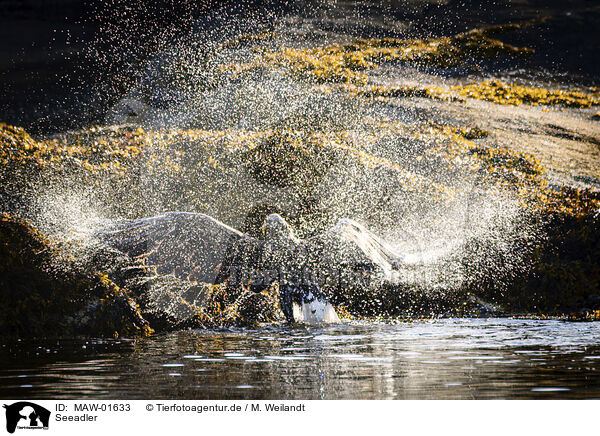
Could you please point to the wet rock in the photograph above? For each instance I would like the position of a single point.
(559, 273)
(46, 294)
(287, 158)
(197, 169)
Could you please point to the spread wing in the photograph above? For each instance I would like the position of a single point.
(191, 246)
(349, 248)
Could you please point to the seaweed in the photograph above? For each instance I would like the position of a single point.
(513, 94)
(347, 63)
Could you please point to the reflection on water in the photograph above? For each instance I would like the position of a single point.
(443, 359)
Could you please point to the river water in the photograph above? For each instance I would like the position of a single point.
(494, 358)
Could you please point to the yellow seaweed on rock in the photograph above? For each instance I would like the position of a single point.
(199, 169)
(93, 149)
(296, 159)
(300, 159)
(518, 172)
(271, 153)
(500, 92)
(225, 306)
(347, 63)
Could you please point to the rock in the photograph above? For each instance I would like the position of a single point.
(46, 294)
(593, 301)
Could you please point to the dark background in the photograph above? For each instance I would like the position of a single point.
(63, 62)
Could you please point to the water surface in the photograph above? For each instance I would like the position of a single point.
(441, 359)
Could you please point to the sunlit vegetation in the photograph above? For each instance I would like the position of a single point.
(500, 92)
(93, 149)
(195, 162)
(347, 63)
(432, 92)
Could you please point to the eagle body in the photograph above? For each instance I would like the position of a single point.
(199, 248)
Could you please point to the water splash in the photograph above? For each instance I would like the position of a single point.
(233, 141)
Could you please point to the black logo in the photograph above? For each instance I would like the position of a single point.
(26, 415)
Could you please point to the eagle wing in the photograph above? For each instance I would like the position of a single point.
(191, 246)
(349, 248)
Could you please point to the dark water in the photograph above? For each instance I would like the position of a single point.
(442, 359)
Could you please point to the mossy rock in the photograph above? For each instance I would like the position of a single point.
(288, 158)
(46, 296)
(348, 63)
